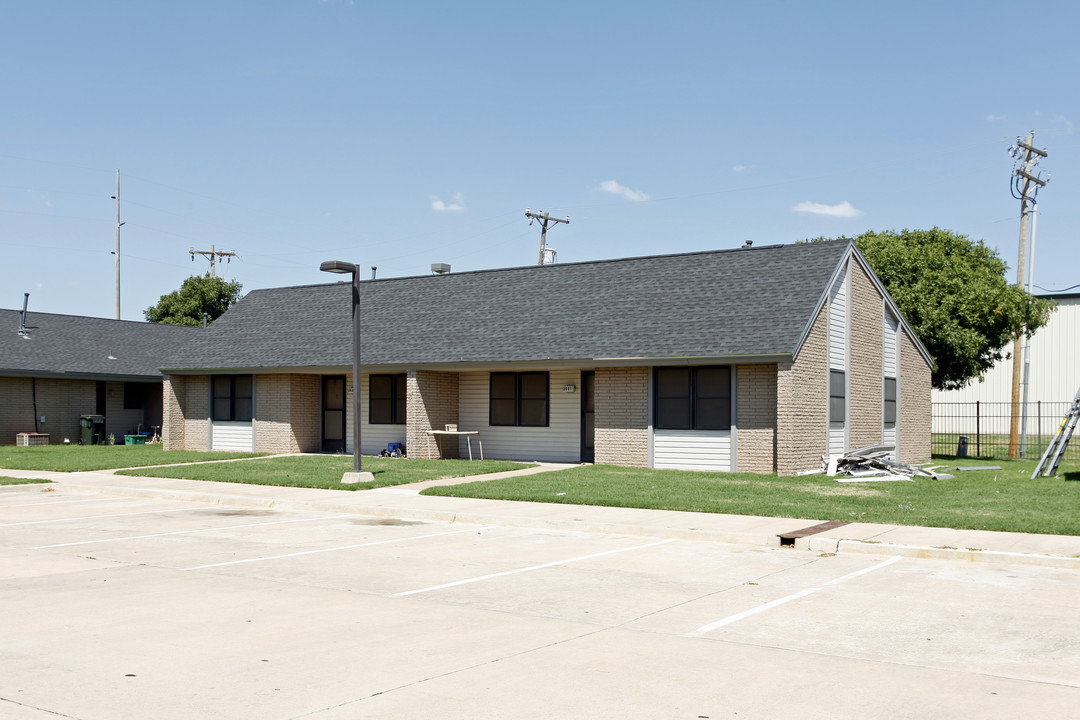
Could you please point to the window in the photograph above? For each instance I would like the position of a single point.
(519, 398)
(133, 395)
(697, 398)
(837, 396)
(233, 395)
(889, 408)
(387, 399)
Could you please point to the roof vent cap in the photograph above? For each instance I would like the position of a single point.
(440, 268)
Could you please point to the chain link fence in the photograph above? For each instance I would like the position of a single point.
(984, 427)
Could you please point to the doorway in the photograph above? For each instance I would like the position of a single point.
(333, 413)
(588, 416)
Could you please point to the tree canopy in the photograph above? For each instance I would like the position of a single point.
(198, 294)
(953, 292)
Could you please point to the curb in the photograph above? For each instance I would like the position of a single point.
(818, 544)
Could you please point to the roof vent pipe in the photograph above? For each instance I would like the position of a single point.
(373, 269)
(748, 244)
(440, 268)
(22, 318)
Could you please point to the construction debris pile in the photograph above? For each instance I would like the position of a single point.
(873, 462)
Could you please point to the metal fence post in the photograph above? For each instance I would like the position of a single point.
(1038, 423)
(978, 447)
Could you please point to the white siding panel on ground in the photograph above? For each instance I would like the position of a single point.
(232, 436)
(559, 442)
(692, 450)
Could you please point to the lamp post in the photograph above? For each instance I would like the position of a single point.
(342, 267)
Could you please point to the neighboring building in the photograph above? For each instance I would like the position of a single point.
(1053, 377)
(754, 359)
(67, 366)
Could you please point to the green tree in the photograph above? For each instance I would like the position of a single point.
(953, 292)
(198, 294)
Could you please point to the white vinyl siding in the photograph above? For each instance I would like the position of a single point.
(838, 350)
(232, 436)
(373, 438)
(890, 365)
(559, 442)
(692, 449)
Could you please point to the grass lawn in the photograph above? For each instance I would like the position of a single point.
(984, 500)
(21, 481)
(325, 471)
(76, 458)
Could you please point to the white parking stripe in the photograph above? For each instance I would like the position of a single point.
(98, 517)
(188, 532)
(62, 502)
(344, 547)
(775, 603)
(529, 569)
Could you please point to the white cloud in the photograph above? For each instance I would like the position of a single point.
(456, 204)
(610, 186)
(742, 168)
(995, 118)
(844, 209)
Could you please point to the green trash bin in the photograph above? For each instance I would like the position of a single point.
(134, 439)
(93, 429)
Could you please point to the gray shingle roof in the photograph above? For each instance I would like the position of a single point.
(86, 347)
(742, 302)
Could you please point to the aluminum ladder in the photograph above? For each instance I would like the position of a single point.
(1048, 465)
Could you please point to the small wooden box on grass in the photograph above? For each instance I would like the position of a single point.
(31, 439)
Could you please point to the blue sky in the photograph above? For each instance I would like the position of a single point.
(402, 134)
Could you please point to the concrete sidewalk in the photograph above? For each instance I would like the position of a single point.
(405, 502)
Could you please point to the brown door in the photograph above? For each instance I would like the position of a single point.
(333, 413)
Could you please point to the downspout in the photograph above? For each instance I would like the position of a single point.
(33, 392)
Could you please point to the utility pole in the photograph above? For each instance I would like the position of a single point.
(1025, 183)
(544, 219)
(214, 255)
(116, 197)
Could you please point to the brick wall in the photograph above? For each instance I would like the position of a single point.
(306, 412)
(867, 318)
(622, 416)
(62, 402)
(756, 418)
(186, 421)
(802, 403)
(172, 421)
(914, 403)
(431, 403)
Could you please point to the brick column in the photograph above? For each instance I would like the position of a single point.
(914, 403)
(802, 420)
(867, 379)
(172, 421)
(622, 416)
(431, 403)
(756, 418)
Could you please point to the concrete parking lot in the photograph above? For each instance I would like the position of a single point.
(117, 607)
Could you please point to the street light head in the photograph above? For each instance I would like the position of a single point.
(337, 266)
